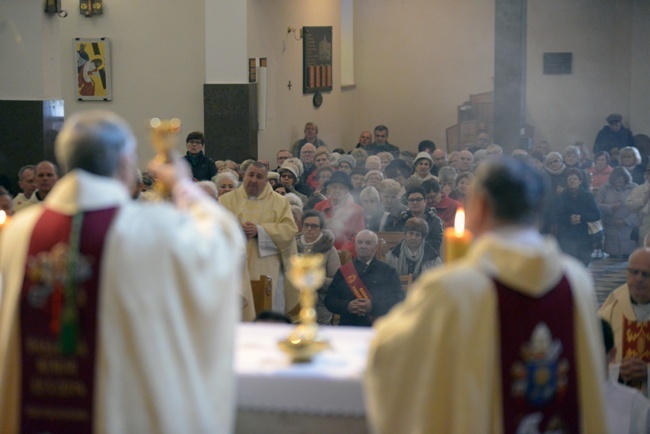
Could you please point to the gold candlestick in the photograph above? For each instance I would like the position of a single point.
(307, 272)
(163, 138)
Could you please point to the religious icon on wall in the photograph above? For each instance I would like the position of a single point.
(93, 69)
(317, 59)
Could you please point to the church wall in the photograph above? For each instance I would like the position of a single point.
(640, 89)
(289, 109)
(158, 62)
(569, 108)
(416, 61)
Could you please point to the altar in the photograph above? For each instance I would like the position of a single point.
(276, 396)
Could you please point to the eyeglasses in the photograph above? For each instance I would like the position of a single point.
(310, 226)
(415, 200)
(194, 142)
(635, 272)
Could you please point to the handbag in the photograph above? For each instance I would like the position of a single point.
(595, 230)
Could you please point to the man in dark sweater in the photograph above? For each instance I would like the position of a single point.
(365, 289)
(203, 168)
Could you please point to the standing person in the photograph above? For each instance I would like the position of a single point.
(575, 208)
(46, 175)
(436, 365)
(627, 309)
(203, 168)
(366, 288)
(618, 221)
(270, 230)
(311, 136)
(381, 143)
(639, 202)
(27, 184)
(124, 337)
(613, 135)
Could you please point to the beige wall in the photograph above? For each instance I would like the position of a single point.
(569, 108)
(289, 110)
(415, 62)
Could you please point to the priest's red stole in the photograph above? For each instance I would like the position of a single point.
(538, 362)
(58, 321)
(636, 339)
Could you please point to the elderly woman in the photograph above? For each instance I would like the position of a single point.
(373, 178)
(385, 158)
(555, 168)
(346, 163)
(373, 162)
(600, 170)
(373, 212)
(316, 239)
(225, 181)
(575, 208)
(639, 202)
(618, 221)
(413, 254)
(447, 178)
(630, 158)
(344, 217)
(461, 187)
(389, 190)
(422, 164)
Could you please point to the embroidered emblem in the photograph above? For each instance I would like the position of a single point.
(350, 279)
(540, 374)
(49, 270)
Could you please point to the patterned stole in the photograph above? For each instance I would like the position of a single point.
(58, 321)
(354, 281)
(538, 365)
(636, 343)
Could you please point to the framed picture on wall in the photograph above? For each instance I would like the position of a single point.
(317, 59)
(93, 69)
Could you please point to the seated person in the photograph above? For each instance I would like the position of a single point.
(343, 217)
(388, 194)
(627, 309)
(366, 288)
(413, 254)
(461, 187)
(628, 411)
(316, 239)
(311, 136)
(374, 213)
(417, 207)
(444, 205)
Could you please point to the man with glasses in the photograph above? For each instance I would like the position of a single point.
(203, 167)
(613, 135)
(627, 309)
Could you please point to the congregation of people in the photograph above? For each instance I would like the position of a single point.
(344, 202)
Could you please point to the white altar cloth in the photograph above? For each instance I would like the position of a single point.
(331, 385)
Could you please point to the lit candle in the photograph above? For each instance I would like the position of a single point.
(4, 219)
(457, 239)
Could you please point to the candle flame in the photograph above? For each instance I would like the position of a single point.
(459, 222)
(3, 217)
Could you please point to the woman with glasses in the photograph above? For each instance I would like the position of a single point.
(316, 239)
(413, 254)
(417, 207)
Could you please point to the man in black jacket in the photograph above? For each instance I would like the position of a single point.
(365, 289)
(203, 168)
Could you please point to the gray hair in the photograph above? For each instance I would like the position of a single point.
(369, 193)
(94, 141)
(368, 231)
(28, 167)
(225, 174)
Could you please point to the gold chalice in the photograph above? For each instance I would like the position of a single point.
(307, 272)
(163, 138)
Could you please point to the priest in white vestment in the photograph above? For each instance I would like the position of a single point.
(627, 309)
(270, 231)
(166, 299)
(435, 365)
